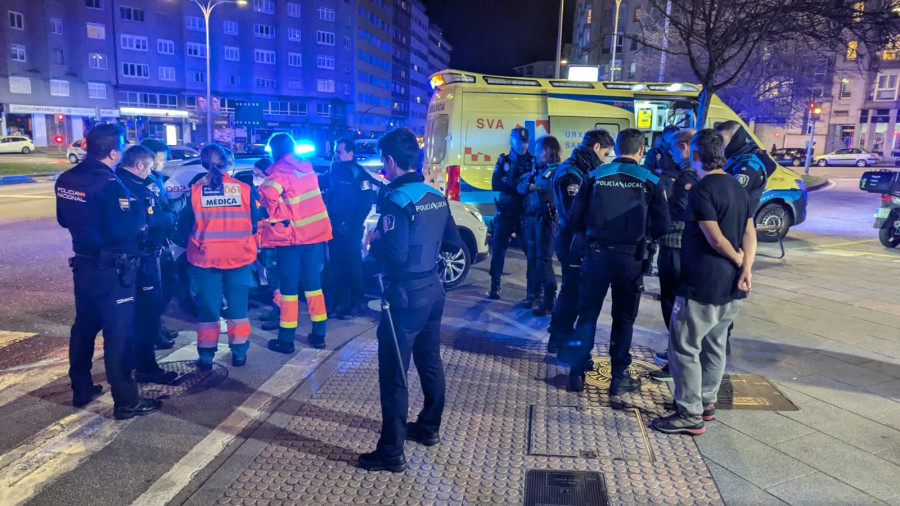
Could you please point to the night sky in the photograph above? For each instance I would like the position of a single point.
(493, 36)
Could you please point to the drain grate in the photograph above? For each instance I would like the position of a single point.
(588, 432)
(565, 488)
(752, 392)
(190, 380)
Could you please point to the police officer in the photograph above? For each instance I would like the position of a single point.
(658, 159)
(415, 221)
(619, 206)
(134, 171)
(167, 264)
(94, 205)
(569, 244)
(540, 211)
(508, 219)
(349, 191)
(747, 163)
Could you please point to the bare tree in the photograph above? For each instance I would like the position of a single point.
(718, 39)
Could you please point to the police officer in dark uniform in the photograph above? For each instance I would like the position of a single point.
(747, 163)
(658, 159)
(415, 220)
(94, 205)
(510, 210)
(569, 244)
(168, 266)
(349, 191)
(540, 222)
(134, 171)
(619, 206)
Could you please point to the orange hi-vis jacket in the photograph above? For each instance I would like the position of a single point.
(222, 236)
(296, 210)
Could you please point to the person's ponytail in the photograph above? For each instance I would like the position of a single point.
(214, 160)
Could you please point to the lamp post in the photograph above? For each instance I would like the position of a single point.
(559, 39)
(615, 41)
(359, 117)
(207, 9)
(815, 112)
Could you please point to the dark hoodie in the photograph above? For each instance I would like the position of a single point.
(566, 182)
(749, 164)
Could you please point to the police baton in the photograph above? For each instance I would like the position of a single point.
(386, 309)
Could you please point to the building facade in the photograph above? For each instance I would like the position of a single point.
(592, 40)
(318, 69)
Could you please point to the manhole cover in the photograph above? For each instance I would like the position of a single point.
(752, 392)
(601, 375)
(190, 380)
(588, 432)
(569, 488)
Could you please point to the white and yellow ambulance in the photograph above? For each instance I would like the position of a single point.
(470, 116)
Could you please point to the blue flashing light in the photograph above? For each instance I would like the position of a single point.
(304, 148)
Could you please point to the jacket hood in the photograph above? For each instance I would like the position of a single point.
(289, 163)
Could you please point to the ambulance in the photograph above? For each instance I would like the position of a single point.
(470, 117)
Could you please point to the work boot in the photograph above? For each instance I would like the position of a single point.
(415, 432)
(624, 384)
(576, 382)
(316, 341)
(167, 333)
(271, 324)
(161, 342)
(281, 347)
(273, 315)
(495, 289)
(375, 461)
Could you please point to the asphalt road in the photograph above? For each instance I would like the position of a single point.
(51, 453)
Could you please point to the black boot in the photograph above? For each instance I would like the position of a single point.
(545, 309)
(576, 382)
(624, 384)
(495, 289)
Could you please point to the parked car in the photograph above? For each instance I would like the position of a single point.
(847, 156)
(790, 156)
(75, 151)
(16, 144)
(257, 148)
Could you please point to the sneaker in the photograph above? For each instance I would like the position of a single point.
(661, 356)
(415, 432)
(374, 461)
(677, 423)
(623, 385)
(709, 412)
(663, 374)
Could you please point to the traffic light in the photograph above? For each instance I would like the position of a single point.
(60, 117)
(59, 139)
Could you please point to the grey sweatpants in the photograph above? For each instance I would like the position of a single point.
(697, 336)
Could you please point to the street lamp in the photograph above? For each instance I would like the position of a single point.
(815, 112)
(559, 39)
(207, 9)
(612, 61)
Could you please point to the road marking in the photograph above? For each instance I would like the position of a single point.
(282, 382)
(62, 446)
(29, 196)
(823, 246)
(8, 338)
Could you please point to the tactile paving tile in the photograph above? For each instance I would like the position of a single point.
(493, 380)
(589, 432)
(190, 380)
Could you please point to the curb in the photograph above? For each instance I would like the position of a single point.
(818, 186)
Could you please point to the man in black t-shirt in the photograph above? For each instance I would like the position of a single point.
(719, 245)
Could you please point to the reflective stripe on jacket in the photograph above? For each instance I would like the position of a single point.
(297, 213)
(222, 236)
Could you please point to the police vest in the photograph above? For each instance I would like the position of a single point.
(428, 211)
(222, 236)
(518, 167)
(543, 195)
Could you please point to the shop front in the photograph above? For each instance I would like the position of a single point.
(168, 125)
(43, 124)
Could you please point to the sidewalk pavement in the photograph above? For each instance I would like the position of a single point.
(821, 325)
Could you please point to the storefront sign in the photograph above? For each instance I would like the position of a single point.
(154, 113)
(51, 109)
(109, 113)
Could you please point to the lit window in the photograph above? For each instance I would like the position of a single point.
(846, 87)
(97, 61)
(886, 87)
(164, 46)
(891, 50)
(325, 38)
(56, 27)
(232, 53)
(295, 59)
(851, 50)
(231, 27)
(590, 12)
(96, 90)
(96, 31)
(59, 88)
(20, 85)
(167, 73)
(637, 14)
(264, 31)
(196, 50)
(18, 52)
(264, 56)
(325, 85)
